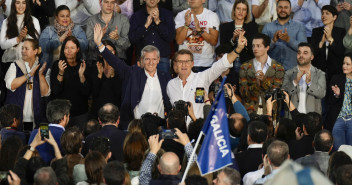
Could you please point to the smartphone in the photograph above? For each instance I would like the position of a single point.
(199, 95)
(44, 130)
(167, 134)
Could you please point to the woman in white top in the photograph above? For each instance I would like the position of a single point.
(18, 26)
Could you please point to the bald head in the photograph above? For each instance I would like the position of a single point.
(169, 164)
(109, 113)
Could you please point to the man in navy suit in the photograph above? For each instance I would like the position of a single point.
(108, 116)
(145, 89)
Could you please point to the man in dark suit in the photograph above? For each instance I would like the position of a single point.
(145, 88)
(108, 116)
(250, 159)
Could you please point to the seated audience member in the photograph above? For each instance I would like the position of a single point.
(251, 177)
(52, 37)
(285, 34)
(322, 144)
(116, 27)
(227, 176)
(259, 75)
(106, 85)
(109, 118)
(58, 115)
(71, 144)
(277, 153)
(27, 84)
(195, 180)
(339, 102)
(94, 164)
(190, 81)
(91, 127)
(59, 165)
(114, 173)
(347, 39)
(45, 175)
(70, 80)
(18, 26)
(169, 164)
(241, 21)
(344, 175)
(302, 145)
(155, 26)
(10, 119)
(145, 88)
(305, 84)
(250, 159)
(9, 153)
(327, 42)
(99, 144)
(197, 30)
(134, 149)
(336, 160)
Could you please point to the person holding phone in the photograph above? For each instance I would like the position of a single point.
(184, 86)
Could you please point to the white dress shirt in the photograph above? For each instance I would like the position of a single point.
(251, 177)
(258, 65)
(176, 91)
(28, 100)
(152, 98)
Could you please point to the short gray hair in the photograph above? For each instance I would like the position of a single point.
(149, 49)
(57, 109)
(45, 176)
(233, 177)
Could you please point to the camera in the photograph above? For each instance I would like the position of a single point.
(276, 93)
(181, 105)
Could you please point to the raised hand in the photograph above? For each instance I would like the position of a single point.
(308, 77)
(100, 69)
(196, 23)
(42, 69)
(259, 75)
(276, 35)
(182, 137)
(236, 34)
(188, 18)
(323, 39)
(32, 73)
(327, 32)
(82, 68)
(299, 76)
(336, 90)
(284, 36)
(62, 66)
(346, 6)
(242, 41)
(13, 178)
(149, 21)
(154, 143)
(155, 15)
(114, 34)
(98, 34)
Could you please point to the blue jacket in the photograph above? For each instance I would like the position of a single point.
(45, 150)
(49, 41)
(135, 79)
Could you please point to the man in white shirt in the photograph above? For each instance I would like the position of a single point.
(305, 83)
(184, 86)
(197, 30)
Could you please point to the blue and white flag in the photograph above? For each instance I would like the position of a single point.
(215, 152)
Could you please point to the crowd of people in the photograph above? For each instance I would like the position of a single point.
(109, 92)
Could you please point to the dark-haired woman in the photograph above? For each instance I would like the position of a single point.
(17, 27)
(27, 84)
(106, 85)
(53, 36)
(69, 80)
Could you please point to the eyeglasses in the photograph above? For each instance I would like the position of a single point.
(185, 62)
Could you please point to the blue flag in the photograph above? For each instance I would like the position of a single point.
(215, 152)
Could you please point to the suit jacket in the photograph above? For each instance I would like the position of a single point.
(334, 104)
(249, 160)
(301, 148)
(135, 79)
(333, 64)
(319, 160)
(315, 92)
(116, 137)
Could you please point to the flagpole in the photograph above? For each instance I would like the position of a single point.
(191, 157)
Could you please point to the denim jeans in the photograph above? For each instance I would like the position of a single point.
(164, 65)
(342, 132)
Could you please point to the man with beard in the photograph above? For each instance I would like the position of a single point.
(286, 34)
(305, 84)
